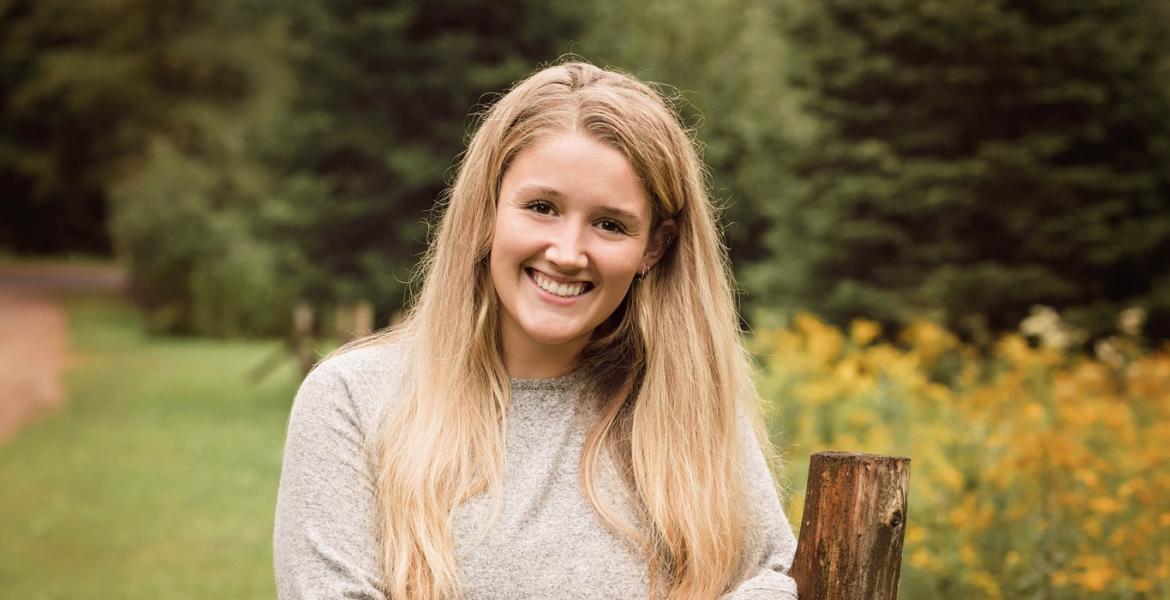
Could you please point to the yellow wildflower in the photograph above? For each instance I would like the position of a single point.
(1105, 505)
(986, 583)
(923, 560)
(864, 331)
(1094, 580)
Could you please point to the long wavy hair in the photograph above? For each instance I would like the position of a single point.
(667, 372)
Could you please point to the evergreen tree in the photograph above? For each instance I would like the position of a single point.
(242, 169)
(724, 63)
(382, 114)
(85, 85)
(188, 209)
(977, 158)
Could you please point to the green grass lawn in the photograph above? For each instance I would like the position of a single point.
(158, 478)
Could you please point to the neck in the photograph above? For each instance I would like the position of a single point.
(539, 361)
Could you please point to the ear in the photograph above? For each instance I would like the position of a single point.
(659, 241)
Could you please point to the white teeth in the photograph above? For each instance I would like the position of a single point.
(564, 290)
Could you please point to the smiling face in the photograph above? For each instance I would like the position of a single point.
(573, 228)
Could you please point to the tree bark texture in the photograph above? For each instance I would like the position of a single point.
(852, 529)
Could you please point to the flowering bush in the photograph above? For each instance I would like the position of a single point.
(1036, 471)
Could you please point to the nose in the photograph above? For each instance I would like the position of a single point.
(566, 250)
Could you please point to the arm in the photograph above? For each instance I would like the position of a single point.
(325, 543)
(771, 544)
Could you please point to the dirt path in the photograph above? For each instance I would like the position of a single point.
(34, 336)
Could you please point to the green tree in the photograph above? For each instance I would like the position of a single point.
(286, 151)
(977, 158)
(381, 116)
(190, 208)
(725, 63)
(54, 101)
(85, 85)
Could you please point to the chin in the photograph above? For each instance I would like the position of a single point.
(553, 338)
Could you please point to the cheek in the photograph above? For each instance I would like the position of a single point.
(503, 240)
(622, 263)
(511, 246)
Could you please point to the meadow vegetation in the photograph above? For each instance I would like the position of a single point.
(1037, 471)
(158, 478)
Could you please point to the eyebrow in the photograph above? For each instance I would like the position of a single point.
(535, 189)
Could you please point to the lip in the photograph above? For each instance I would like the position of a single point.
(553, 298)
(547, 275)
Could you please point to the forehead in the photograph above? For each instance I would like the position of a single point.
(578, 169)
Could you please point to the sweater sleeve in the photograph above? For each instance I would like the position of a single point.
(773, 544)
(324, 541)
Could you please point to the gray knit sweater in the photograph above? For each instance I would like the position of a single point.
(547, 542)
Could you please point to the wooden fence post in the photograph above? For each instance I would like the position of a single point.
(302, 336)
(353, 321)
(851, 532)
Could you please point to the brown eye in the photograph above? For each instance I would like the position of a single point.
(541, 207)
(612, 226)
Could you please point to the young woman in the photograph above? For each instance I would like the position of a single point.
(567, 411)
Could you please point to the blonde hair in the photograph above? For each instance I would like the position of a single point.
(667, 383)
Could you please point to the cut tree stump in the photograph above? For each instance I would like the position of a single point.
(852, 529)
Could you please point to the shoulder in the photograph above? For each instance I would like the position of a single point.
(355, 385)
(365, 369)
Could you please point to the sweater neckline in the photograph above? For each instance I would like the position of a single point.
(560, 383)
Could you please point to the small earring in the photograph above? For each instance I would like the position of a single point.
(645, 269)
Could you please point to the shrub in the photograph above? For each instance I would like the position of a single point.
(1035, 472)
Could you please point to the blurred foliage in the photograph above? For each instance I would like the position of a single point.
(85, 84)
(975, 159)
(725, 66)
(192, 216)
(189, 224)
(1036, 472)
(254, 154)
(379, 120)
(890, 159)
